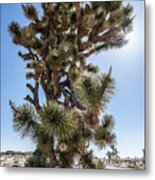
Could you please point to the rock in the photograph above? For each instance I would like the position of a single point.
(14, 159)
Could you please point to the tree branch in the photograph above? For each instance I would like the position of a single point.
(34, 90)
(28, 85)
(29, 99)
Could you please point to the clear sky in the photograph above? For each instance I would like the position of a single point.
(127, 105)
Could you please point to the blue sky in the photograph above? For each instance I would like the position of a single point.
(127, 105)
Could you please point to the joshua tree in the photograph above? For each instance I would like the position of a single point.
(113, 155)
(58, 45)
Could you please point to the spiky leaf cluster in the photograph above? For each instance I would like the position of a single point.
(25, 120)
(96, 90)
(103, 135)
(56, 121)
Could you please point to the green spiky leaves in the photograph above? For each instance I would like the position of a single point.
(96, 91)
(59, 57)
(121, 15)
(104, 135)
(25, 120)
(56, 121)
(25, 36)
(15, 31)
(14, 28)
(30, 12)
